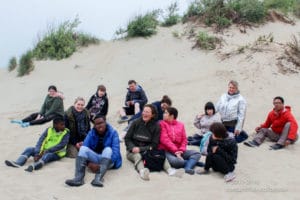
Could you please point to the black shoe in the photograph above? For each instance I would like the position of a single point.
(276, 146)
(251, 143)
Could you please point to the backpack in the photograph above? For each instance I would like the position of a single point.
(154, 159)
(204, 143)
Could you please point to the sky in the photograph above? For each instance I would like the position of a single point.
(22, 22)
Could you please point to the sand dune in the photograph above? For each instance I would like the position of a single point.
(162, 64)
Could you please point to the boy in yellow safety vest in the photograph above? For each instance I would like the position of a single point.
(51, 146)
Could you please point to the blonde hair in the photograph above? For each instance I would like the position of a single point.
(234, 83)
(79, 99)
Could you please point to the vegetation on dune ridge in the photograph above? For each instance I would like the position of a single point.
(12, 64)
(58, 43)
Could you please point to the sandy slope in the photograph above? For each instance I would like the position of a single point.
(162, 64)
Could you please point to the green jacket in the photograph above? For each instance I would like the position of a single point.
(52, 105)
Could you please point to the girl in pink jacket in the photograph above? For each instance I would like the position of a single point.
(173, 140)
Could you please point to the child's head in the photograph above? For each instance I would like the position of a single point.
(100, 124)
(79, 104)
(209, 108)
(59, 124)
(165, 102)
(101, 90)
(170, 113)
(218, 130)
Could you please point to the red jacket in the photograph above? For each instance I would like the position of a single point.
(172, 136)
(277, 121)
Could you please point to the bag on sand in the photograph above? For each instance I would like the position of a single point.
(154, 159)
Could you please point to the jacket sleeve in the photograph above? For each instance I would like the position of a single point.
(57, 103)
(89, 105)
(143, 99)
(241, 114)
(60, 145)
(183, 139)
(268, 121)
(115, 146)
(127, 98)
(229, 157)
(165, 140)
(88, 139)
(105, 107)
(39, 144)
(197, 122)
(129, 137)
(292, 135)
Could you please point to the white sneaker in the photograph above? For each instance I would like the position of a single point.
(229, 176)
(175, 173)
(144, 174)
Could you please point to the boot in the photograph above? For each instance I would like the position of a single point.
(79, 172)
(189, 166)
(18, 163)
(104, 165)
(35, 166)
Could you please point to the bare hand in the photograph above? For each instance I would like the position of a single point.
(200, 116)
(78, 145)
(135, 150)
(287, 143)
(257, 129)
(237, 132)
(214, 149)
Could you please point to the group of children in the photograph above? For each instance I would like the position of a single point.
(151, 126)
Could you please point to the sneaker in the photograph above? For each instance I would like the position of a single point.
(25, 124)
(229, 176)
(276, 146)
(16, 121)
(12, 164)
(202, 172)
(144, 174)
(175, 173)
(29, 168)
(123, 119)
(251, 143)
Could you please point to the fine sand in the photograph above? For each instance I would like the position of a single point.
(162, 64)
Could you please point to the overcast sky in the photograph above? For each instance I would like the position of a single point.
(22, 21)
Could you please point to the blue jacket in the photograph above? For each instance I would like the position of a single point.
(138, 96)
(111, 139)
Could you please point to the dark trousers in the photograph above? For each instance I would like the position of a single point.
(31, 119)
(218, 164)
(238, 138)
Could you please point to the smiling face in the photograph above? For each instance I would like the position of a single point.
(210, 112)
(79, 105)
(100, 125)
(232, 89)
(52, 93)
(147, 114)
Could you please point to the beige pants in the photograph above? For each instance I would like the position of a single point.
(278, 138)
(136, 158)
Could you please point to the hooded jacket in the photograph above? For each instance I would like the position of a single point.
(143, 135)
(98, 105)
(277, 120)
(52, 105)
(138, 96)
(232, 107)
(172, 136)
(111, 139)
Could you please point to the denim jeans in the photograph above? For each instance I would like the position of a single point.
(93, 157)
(46, 158)
(238, 138)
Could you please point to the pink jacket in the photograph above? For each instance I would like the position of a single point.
(172, 136)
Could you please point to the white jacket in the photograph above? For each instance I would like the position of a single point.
(232, 107)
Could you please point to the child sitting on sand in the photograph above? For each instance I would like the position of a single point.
(51, 146)
(222, 152)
